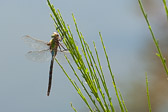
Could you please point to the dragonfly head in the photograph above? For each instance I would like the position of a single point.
(55, 35)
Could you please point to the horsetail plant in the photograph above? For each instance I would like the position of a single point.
(147, 92)
(156, 42)
(166, 9)
(92, 73)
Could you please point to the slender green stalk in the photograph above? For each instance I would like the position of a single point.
(96, 88)
(94, 76)
(166, 9)
(75, 86)
(125, 108)
(102, 78)
(93, 101)
(147, 91)
(159, 54)
(73, 108)
(89, 79)
(112, 76)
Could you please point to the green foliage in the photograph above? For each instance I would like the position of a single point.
(164, 2)
(147, 91)
(90, 68)
(73, 108)
(159, 54)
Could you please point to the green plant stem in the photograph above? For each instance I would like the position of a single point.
(94, 76)
(103, 79)
(73, 108)
(154, 39)
(123, 101)
(88, 79)
(89, 69)
(76, 87)
(147, 91)
(165, 6)
(83, 85)
(112, 76)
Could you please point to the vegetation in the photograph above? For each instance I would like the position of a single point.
(90, 67)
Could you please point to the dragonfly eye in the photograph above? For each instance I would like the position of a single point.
(55, 34)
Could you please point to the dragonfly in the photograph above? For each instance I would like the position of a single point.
(46, 51)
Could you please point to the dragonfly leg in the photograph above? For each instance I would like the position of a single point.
(60, 48)
(64, 49)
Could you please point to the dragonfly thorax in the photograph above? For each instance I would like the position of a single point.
(54, 42)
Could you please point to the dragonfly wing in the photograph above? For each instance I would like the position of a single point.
(39, 56)
(60, 56)
(35, 43)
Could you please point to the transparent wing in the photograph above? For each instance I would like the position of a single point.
(61, 58)
(39, 56)
(62, 50)
(35, 43)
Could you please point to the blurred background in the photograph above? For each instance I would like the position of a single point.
(23, 83)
